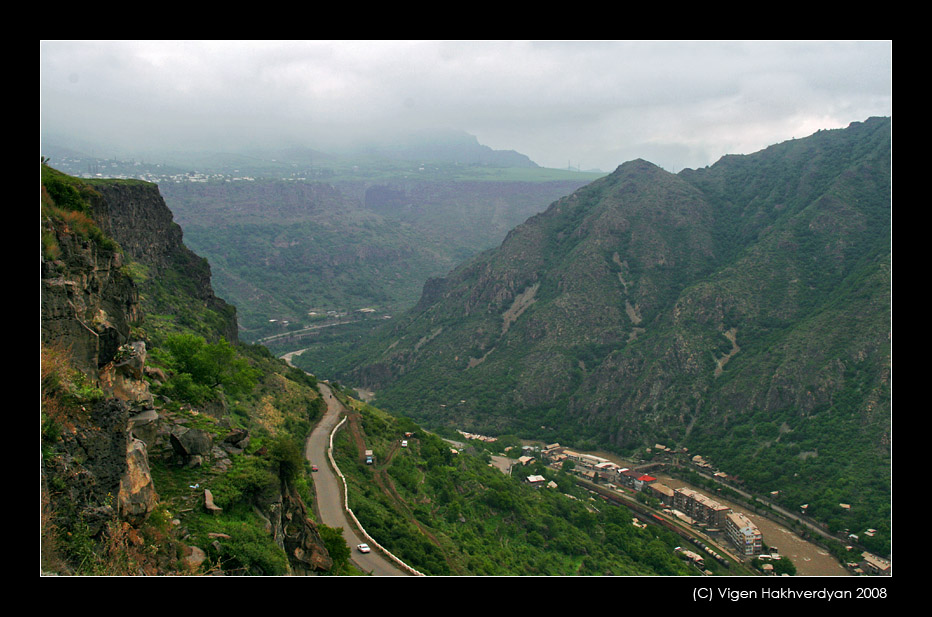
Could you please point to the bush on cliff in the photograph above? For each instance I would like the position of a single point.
(201, 369)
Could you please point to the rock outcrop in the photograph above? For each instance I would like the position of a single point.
(300, 538)
(103, 470)
(87, 303)
(135, 215)
(124, 376)
(137, 497)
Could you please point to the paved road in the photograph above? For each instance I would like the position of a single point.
(330, 490)
(303, 331)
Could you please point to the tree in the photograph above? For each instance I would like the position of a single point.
(201, 368)
(287, 455)
(336, 546)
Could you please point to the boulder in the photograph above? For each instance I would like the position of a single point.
(209, 504)
(236, 441)
(194, 557)
(123, 376)
(144, 426)
(190, 442)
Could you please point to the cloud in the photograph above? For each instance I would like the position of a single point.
(592, 103)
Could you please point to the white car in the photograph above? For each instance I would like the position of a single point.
(363, 548)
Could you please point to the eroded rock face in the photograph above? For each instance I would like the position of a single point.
(301, 540)
(123, 377)
(87, 302)
(137, 496)
(104, 471)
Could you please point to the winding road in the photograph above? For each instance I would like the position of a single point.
(329, 489)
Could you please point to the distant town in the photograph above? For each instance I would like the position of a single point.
(156, 173)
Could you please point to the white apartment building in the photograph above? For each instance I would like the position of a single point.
(743, 533)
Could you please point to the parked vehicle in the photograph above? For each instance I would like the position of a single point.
(404, 443)
(368, 457)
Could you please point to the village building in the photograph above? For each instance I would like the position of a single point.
(551, 450)
(628, 477)
(662, 492)
(607, 472)
(702, 509)
(585, 460)
(743, 533)
(642, 481)
(875, 565)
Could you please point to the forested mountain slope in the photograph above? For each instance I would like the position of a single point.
(741, 310)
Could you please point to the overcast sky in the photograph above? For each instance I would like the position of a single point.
(593, 104)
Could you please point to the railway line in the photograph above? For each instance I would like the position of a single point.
(649, 516)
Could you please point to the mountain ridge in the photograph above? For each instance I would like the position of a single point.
(691, 308)
(437, 146)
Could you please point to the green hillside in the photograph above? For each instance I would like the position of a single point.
(448, 512)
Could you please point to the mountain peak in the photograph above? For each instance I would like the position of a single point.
(450, 146)
(651, 307)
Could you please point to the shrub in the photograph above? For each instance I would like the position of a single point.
(201, 368)
(250, 481)
(289, 459)
(336, 546)
(250, 549)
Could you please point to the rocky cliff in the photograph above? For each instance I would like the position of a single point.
(86, 299)
(99, 477)
(102, 425)
(135, 215)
